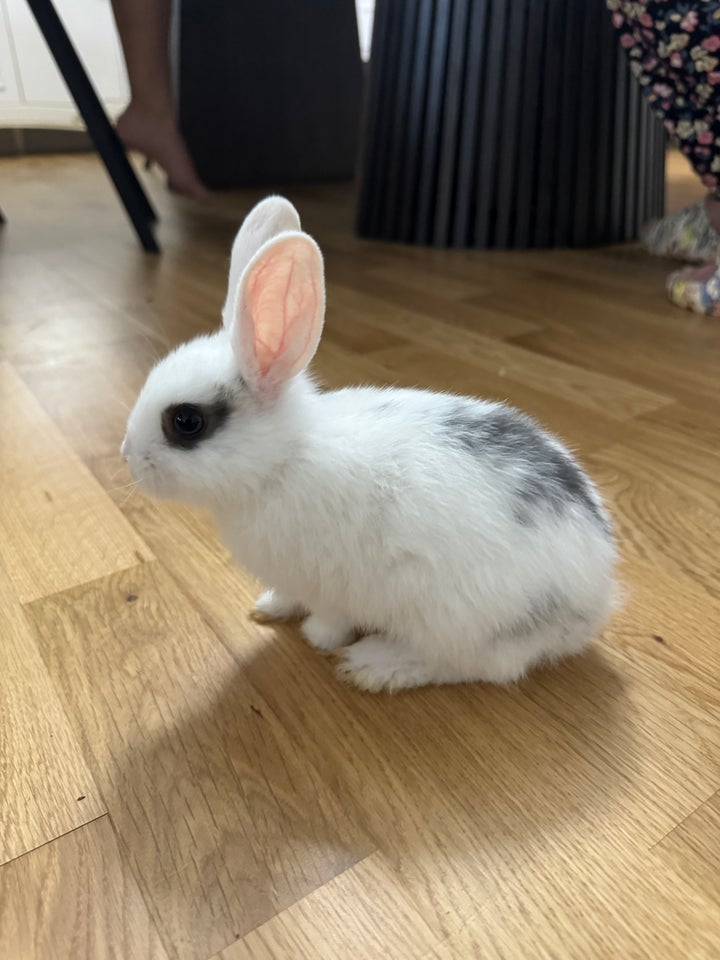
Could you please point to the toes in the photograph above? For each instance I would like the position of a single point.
(376, 663)
(159, 138)
(270, 607)
(326, 636)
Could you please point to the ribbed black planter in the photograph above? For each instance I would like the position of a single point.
(505, 123)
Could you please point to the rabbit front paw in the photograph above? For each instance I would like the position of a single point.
(327, 635)
(272, 607)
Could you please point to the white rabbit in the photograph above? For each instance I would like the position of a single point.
(458, 538)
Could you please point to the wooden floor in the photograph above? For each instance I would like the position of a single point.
(180, 782)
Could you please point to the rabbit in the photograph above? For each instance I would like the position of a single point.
(426, 538)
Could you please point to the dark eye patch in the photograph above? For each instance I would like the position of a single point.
(184, 425)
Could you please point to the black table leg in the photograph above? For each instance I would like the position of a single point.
(101, 131)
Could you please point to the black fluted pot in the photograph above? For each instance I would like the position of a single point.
(505, 123)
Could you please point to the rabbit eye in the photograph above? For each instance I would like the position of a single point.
(186, 424)
(188, 421)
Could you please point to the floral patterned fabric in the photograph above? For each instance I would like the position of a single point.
(699, 294)
(686, 235)
(674, 50)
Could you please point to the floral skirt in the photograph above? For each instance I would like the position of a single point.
(674, 50)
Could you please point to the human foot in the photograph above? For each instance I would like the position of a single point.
(692, 234)
(156, 135)
(697, 288)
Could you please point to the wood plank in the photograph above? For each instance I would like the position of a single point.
(88, 393)
(428, 297)
(497, 785)
(618, 914)
(56, 315)
(63, 529)
(223, 822)
(362, 914)
(660, 518)
(411, 365)
(687, 375)
(75, 897)
(46, 788)
(699, 424)
(168, 298)
(615, 397)
(692, 849)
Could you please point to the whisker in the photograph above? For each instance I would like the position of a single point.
(115, 474)
(123, 486)
(131, 491)
(154, 352)
(123, 403)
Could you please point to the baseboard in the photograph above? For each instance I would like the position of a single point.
(19, 141)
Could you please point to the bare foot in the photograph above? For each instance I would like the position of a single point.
(157, 136)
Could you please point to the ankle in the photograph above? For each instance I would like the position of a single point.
(154, 109)
(712, 208)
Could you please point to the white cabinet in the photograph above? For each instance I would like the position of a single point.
(8, 81)
(32, 92)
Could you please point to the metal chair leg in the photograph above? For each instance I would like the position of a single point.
(101, 131)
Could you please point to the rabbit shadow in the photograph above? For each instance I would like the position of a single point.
(288, 777)
(481, 754)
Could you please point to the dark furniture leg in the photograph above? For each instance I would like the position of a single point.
(101, 131)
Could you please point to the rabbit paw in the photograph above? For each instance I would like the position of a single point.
(376, 663)
(326, 635)
(271, 606)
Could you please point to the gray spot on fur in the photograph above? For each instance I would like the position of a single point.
(549, 611)
(544, 476)
(388, 403)
(540, 614)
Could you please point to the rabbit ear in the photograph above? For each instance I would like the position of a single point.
(266, 220)
(279, 312)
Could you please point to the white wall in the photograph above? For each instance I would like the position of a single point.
(365, 12)
(32, 92)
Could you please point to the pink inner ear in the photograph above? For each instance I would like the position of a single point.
(282, 299)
